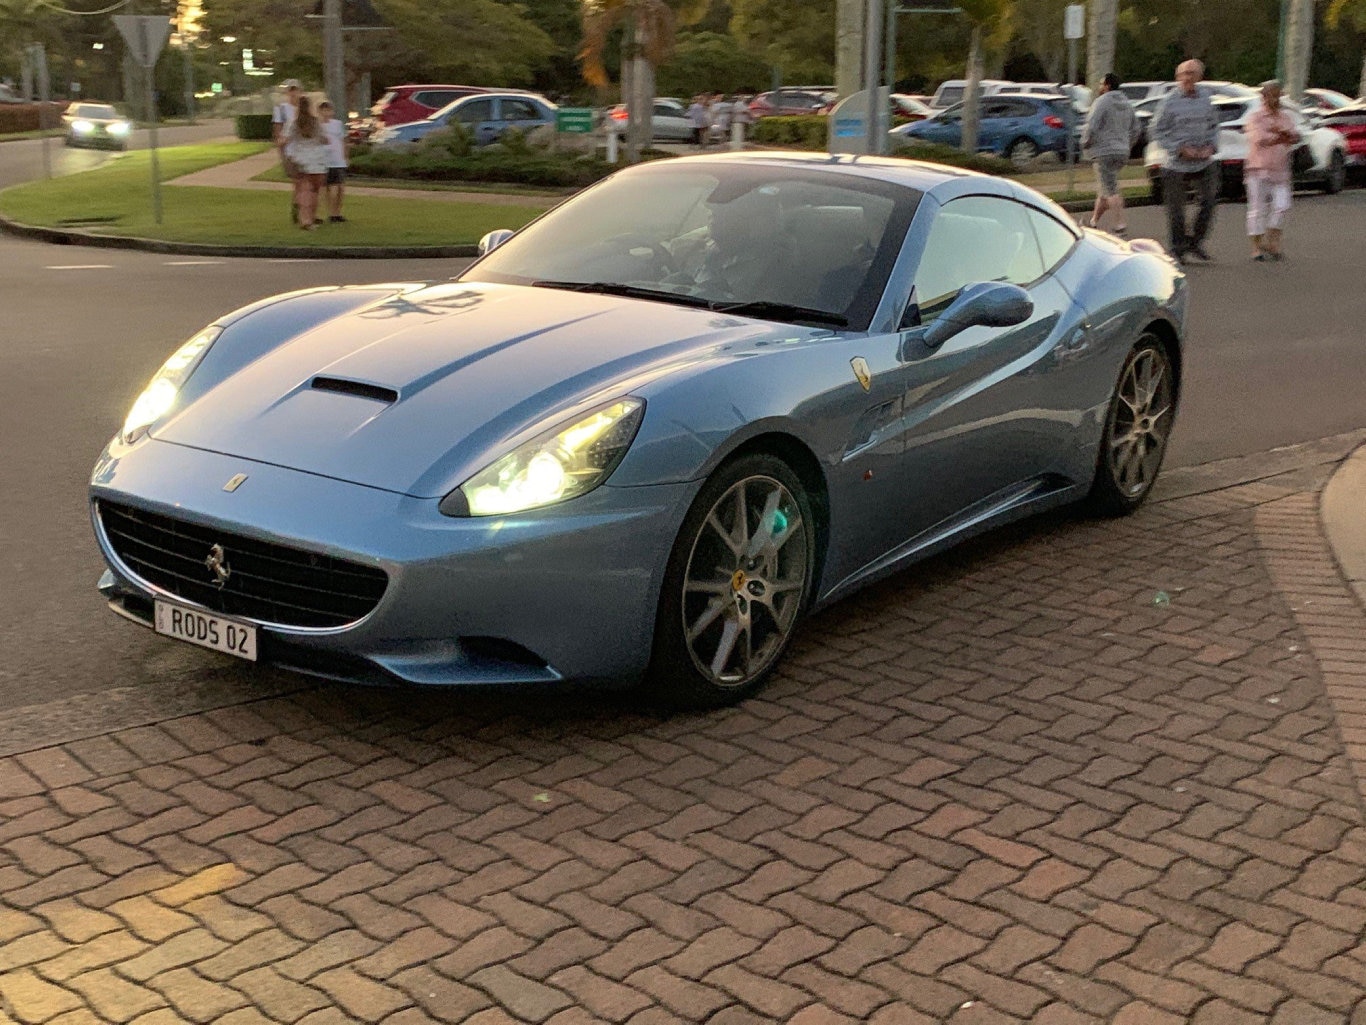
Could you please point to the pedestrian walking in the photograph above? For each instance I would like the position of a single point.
(308, 148)
(281, 121)
(1187, 128)
(1109, 136)
(1271, 135)
(334, 186)
(700, 120)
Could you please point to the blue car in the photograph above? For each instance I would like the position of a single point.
(640, 438)
(486, 116)
(1017, 127)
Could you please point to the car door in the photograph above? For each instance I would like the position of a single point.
(477, 115)
(945, 128)
(975, 417)
(1000, 123)
(518, 114)
(671, 122)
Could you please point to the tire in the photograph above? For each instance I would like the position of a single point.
(1022, 152)
(726, 611)
(1337, 174)
(1137, 427)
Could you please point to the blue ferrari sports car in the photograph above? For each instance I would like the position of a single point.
(638, 439)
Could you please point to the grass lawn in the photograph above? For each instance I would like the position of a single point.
(276, 173)
(116, 199)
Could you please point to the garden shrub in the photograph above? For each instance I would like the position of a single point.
(24, 117)
(253, 126)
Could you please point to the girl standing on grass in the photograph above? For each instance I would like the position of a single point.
(308, 147)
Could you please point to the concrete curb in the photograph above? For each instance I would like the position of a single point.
(69, 236)
(1342, 511)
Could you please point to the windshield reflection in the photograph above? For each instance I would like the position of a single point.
(764, 237)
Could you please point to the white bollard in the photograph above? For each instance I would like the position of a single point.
(737, 135)
(611, 147)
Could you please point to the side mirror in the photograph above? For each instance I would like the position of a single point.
(494, 239)
(985, 304)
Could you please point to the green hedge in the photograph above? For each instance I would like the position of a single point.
(253, 126)
(805, 131)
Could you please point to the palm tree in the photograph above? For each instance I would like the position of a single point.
(1100, 41)
(650, 37)
(985, 16)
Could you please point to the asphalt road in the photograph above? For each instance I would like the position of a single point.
(22, 160)
(1274, 358)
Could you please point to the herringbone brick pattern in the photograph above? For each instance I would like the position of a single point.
(1018, 784)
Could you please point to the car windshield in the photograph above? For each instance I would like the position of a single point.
(96, 110)
(783, 242)
(950, 95)
(1229, 112)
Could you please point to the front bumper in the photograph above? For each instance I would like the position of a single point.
(564, 593)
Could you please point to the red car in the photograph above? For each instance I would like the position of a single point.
(791, 100)
(403, 103)
(1350, 121)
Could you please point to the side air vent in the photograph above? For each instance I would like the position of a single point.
(357, 388)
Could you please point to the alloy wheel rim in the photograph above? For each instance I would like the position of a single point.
(1141, 422)
(745, 581)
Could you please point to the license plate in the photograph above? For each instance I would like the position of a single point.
(206, 630)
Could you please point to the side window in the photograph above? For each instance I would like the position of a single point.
(519, 110)
(995, 108)
(1055, 239)
(475, 111)
(974, 239)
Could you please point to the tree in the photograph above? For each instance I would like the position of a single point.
(1355, 12)
(797, 39)
(650, 37)
(990, 19)
(1100, 40)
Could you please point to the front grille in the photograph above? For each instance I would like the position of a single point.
(269, 582)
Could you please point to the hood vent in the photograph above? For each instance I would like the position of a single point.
(357, 388)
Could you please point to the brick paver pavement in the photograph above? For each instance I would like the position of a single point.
(1081, 772)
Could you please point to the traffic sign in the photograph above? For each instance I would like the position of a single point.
(576, 120)
(1074, 22)
(145, 35)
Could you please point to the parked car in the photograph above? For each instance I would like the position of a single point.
(952, 92)
(96, 125)
(1350, 123)
(639, 439)
(1140, 91)
(904, 108)
(402, 104)
(1319, 159)
(487, 117)
(1144, 110)
(1321, 100)
(668, 122)
(793, 100)
(1080, 95)
(1017, 127)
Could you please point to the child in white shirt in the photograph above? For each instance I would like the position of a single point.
(334, 131)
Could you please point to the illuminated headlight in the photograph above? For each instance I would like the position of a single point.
(119, 128)
(563, 463)
(82, 127)
(160, 394)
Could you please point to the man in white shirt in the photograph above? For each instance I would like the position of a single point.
(281, 120)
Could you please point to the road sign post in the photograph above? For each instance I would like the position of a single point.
(1073, 28)
(145, 35)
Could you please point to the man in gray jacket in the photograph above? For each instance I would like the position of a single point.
(1110, 133)
(1187, 129)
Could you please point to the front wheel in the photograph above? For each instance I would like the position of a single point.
(738, 579)
(1137, 427)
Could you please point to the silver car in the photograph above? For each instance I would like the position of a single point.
(642, 437)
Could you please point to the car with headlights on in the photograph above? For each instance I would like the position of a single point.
(640, 438)
(486, 116)
(96, 125)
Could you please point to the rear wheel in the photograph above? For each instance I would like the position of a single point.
(1022, 152)
(738, 578)
(1337, 174)
(1137, 427)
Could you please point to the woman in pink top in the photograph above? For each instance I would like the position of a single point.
(1271, 134)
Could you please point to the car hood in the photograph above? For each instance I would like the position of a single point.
(416, 393)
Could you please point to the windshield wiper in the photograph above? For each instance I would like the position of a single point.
(630, 291)
(765, 309)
